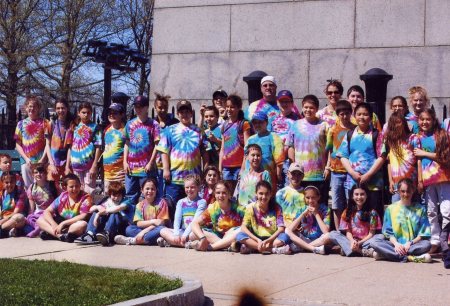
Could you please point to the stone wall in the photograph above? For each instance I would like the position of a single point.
(201, 45)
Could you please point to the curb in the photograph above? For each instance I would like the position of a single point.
(190, 294)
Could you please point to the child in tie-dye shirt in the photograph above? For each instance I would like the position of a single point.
(149, 219)
(40, 195)
(213, 134)
(272, 148)
(262, 229)
(405, 229)
(400, 144)
(65, 218)
(142, 134)
(307, 145)
(311, 223)
(84, 151)
(355, 95)
(434, 173)
(58, 146)
(250, 178)
(291, 198)
(12, 206)
(183, 148)
(108, 217)
(359, 224)
(216, 228)
(187, 210)
(30, 138)
(115, 140)
(235, 134)
(362, 156)
(281, 126)
(338, 173)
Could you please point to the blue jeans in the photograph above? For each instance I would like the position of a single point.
(161, 182)
(230, 174)
(109, 223)
(338, 194)
(133, 186)
(386, 249)
(149, 238)
(282, 237)
(341, 240)
(173, 194)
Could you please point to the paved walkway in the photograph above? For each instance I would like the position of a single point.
(284, 280)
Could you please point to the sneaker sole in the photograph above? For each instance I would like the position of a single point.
(102, 240)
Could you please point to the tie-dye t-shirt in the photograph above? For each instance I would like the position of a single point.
(272, 153)
(406, 165)
(309, 143)
(146, 211)
(141, 139)
(271, 110)
(413, 122)
(406, 223)
(432, 172)
(62, 207)
(162, 126)
(334, 139)
(214, 148)
(362, 157)
(186, 211)
(206, 194)
(42, 196)
(60, 133)
(359, 226)
(184, 146)
(281, 126)
(222, 221)
(247, 185)
(233, 151)
(12, 201)
(327, 115)
(84, 140)
(30, 135)
(113, 154)
(262, 224)
(309, 226)
(291, 202)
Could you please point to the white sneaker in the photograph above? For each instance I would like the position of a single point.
(282, 250)
(162, 242)
(424, 258)
(377, 256)
(121, 239)
(368, 252)
(319, 250)
(191, 244)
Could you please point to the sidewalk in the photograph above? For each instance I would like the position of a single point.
(284, 280)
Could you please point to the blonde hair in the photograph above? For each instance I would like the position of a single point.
(420, 90)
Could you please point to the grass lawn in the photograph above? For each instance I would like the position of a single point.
(25, 282)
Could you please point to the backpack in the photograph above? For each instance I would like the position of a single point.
(374, 139)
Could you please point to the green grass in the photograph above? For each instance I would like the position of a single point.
(24, 282)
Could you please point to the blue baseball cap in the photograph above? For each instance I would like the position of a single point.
(260, 116)
(285, 95)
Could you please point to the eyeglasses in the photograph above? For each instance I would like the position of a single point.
(329, 93)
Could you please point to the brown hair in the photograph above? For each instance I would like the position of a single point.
(160, 97)
(394, 136)
(116, 188)
(442, 140)
(34, 98)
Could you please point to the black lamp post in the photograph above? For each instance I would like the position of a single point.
(113, 56)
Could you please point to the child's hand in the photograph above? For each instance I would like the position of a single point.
(166, 175)
(312, 210)
(400, 249)
(67, 171)
(177, 240)
(356, 176)
(93, 209)
(96, 220)
(93, 174)
(183, 239)
(364, 178)
(420, 187)
(391, 187)
(53, 169)
(419, 152)
(202, 110)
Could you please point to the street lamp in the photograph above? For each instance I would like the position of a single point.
(113, 56)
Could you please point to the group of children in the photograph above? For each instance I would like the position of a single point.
(265, 182)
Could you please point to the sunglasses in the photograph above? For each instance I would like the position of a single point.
(332, 92)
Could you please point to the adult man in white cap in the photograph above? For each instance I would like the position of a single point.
(268, 103)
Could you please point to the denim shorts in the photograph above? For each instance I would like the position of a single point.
(230, 174)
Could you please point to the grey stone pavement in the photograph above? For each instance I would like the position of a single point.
(301, 279)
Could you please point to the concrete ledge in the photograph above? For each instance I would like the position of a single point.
(191, 293)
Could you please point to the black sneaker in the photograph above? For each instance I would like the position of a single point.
(103, 238)
(69, 237)
(46, 236)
